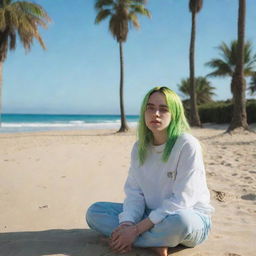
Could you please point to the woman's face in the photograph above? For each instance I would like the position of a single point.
(157, 115)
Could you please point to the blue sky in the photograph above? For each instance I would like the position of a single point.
(79, 71)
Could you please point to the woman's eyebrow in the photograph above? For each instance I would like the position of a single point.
(161, 105)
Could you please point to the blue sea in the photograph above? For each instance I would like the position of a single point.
(12, 123)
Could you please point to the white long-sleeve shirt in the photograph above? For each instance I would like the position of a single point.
(166, 187)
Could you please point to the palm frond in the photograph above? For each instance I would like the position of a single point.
(33, 9)
(252, 84)
(2, 20)
(134, 19)
(11, 17)
(232, 58)
(248, 71)
(3, 45)
(12, 43)
(102, 14)
(225, 66)
(99, 4)
(250, 66)
(140, 9)
(204, 90)
(20, 18)
(122, 13)
(118, 28)
(226, 53)
(138, 1)
(221, 68)
(4, 3)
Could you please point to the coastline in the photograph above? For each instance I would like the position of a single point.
(49, 179)
(14, 123)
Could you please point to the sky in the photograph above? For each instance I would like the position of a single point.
(79, 72)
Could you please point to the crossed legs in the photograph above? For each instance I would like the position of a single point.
(186, 227)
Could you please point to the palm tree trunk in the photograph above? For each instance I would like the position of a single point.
(193, 113)
(1, 85)
(239, 118)
(124, 126)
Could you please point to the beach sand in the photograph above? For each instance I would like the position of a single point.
(49, 179)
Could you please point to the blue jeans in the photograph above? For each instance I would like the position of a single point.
(187, 227)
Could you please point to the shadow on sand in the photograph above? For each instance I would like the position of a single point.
(74, 242)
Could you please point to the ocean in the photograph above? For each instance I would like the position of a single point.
(12, 123)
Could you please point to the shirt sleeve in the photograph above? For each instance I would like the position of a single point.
(134, 203)
(188, 182)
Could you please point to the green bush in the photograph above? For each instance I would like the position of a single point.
(221, 112)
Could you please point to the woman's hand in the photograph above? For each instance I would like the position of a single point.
(122, 226)
(123, 237)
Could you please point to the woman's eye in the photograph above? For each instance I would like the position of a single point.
(150, 108)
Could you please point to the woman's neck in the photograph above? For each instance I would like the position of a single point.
(159, 138)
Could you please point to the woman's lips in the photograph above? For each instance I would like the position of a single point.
(155, 122)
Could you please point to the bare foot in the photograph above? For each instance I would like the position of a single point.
(161, 251)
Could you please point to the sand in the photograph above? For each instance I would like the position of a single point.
(49, 179)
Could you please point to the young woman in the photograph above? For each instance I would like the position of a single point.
(167, 199)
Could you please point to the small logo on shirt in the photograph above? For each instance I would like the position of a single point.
(171, 175)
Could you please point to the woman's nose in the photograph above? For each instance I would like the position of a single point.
(156, 112)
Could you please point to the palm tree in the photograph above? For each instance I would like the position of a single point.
(19, 18)
(225, 66)
(252, 87)
(239, 117)
(194, 7)
(204, 90)
(121, 14)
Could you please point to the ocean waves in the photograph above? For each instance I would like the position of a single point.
(13, 127)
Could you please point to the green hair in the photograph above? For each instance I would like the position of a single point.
(177, 126)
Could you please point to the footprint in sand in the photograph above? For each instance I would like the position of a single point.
(44, 206)
(233, 254)
(250, 196)
(219, 195)
(248, 178)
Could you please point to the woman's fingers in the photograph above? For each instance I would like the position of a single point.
(121, 241)
(114, 243)
(118, 246)
(126, 249)
(115, 235)
(121, 249)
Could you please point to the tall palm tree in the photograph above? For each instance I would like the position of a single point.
(194, 7)
(225, 66)
(121, 14)
(204, 90)
(239, 117)
(19, 19)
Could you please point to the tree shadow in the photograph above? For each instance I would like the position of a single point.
(74, 242)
